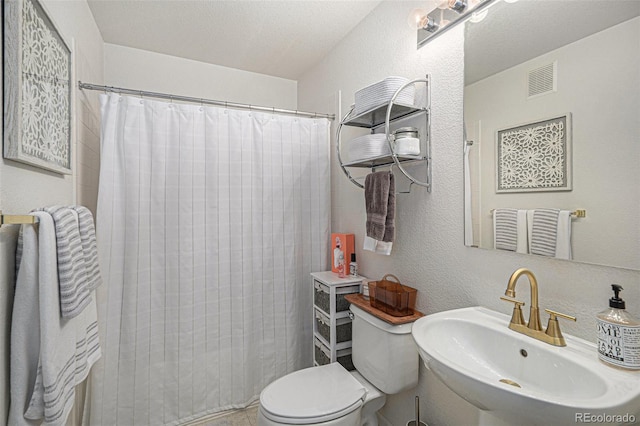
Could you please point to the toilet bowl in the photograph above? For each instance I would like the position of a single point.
(386, 362)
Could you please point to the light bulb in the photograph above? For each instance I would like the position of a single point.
(429, 24)
(416, 17)
(444, 4)
(457, 5)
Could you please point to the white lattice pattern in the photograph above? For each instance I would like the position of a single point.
(533, 156)
(45, 90)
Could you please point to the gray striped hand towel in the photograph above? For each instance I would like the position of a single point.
(89, 247)
(510, 230)
(505, 229)
(72, 269)
(544, 232)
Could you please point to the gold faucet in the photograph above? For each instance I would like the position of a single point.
(552, 335)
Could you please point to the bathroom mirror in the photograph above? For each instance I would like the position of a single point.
(531, 66)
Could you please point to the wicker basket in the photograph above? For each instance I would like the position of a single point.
(392, 297)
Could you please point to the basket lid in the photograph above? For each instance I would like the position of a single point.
(312, 395)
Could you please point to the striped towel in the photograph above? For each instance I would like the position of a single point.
(72, 270)
(89, 247)
(50, 355)
(506, 229)
(510, 230)
(544, 232)
(78, 267)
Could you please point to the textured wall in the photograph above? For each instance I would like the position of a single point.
(429, 253)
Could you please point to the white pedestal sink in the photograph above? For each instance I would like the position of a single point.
(520, 380)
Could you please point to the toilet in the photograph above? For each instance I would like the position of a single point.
(386, 362)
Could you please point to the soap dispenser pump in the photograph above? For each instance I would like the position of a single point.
(618, 334)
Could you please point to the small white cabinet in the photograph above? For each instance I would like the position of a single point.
(331, 322)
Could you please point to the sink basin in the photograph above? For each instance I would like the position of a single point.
(519, 379)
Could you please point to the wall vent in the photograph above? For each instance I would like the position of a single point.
(542, 80)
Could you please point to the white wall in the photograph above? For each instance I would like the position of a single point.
(144, 70)
(429, 253)
(23, 188)
(605, 140)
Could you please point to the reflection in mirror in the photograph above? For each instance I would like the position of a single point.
(552, 122)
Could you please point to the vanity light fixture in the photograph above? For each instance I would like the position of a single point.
(430, 24)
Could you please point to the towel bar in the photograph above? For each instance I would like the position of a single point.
(16, 219)
(575, 213)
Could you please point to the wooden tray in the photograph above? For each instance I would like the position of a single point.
(362, 303)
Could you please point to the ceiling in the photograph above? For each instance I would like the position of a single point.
(278, 38)
(513, 33)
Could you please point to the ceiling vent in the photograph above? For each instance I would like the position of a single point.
(542, 80)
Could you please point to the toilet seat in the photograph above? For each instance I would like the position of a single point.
(312, 395)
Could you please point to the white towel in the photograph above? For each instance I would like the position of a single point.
(25, 330)
(563, 239)
(550, 232)
(510, 230)
(379, 247)
(43, 386)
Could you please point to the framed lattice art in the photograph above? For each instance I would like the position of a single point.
(535, 157)
(37, 88)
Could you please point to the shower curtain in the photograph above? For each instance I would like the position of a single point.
(209, 222)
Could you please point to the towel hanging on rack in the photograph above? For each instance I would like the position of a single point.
(550, 232)
(49, 355)
(380, 205)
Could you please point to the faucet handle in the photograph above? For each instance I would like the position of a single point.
(554, 314)
(516, 317)
(553, 328)
(514, 301)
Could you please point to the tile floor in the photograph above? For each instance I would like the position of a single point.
(246, 417)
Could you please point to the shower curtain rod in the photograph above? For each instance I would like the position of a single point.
(235, 105)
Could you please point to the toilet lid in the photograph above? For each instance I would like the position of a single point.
(312, 395)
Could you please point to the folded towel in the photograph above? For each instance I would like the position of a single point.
(510, 230)
(380, 205)
(72, 270)
(51, 354)
(550, 232)
(544, 230)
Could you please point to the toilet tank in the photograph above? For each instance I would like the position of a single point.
(384, 354)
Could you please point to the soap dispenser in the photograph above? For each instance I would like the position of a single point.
(618, 334)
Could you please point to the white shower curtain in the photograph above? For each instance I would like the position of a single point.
(209, 222)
